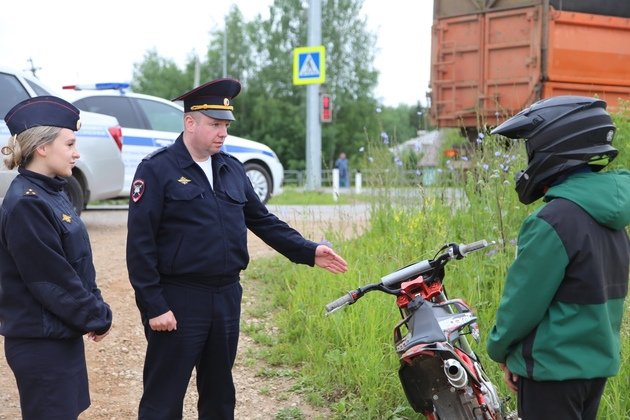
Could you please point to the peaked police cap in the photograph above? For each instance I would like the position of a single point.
(213, 99)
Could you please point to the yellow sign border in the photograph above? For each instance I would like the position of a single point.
(321, 50)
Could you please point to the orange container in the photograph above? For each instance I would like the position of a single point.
(488, 64)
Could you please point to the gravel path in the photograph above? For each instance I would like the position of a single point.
(115, 364)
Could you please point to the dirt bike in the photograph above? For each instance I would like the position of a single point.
(440, 374)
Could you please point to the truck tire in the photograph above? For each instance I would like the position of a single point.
(75, 193)
(260, 179)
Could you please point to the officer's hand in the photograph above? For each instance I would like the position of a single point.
(164, 322)
(326, 258)
(511, 379)
(95, 337)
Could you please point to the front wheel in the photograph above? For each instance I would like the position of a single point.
(260, 179)
(75, 193)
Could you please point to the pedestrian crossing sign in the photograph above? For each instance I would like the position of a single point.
(309, 65)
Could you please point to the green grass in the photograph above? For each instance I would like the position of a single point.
(347, 359)
(118, 201)
(299, 196)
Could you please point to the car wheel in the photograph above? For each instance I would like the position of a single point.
(75, 193)
(261, 180)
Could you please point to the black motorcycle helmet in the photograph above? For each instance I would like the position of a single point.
(562, 134)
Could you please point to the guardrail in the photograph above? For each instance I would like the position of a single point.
(297, 178)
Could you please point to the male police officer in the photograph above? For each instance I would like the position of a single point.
(191, 205)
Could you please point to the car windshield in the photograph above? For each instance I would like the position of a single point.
(11, 92)
(162, 117)
(39, 90)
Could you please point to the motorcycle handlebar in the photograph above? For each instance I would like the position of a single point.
(406, 272)
(468, 248)
(344, 300)
(392, 279)
(456, 251)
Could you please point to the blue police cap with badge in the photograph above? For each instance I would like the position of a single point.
(213, 99)
(42, 111)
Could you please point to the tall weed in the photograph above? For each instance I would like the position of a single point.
(348, 357)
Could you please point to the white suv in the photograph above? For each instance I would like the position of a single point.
(149, 122)
(98, 174)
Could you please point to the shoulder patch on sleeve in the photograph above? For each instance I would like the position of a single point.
(137, 190)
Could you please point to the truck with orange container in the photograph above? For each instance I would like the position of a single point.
(492, 58)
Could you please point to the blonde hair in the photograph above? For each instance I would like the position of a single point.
(21, 147)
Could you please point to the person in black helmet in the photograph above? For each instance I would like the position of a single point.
(191, 205)
(556, 335)
(48, 294)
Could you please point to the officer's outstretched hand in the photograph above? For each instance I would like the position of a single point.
(326, 258)
(164, 322)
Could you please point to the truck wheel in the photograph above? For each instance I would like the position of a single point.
(261, 180)
(75, 193)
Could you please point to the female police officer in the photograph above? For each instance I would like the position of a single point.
(191, 206)
(48, 293)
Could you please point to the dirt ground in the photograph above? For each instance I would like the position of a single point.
(115, 364)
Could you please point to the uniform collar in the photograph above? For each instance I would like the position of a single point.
(182, 154)
(49, 183)
(184, 159)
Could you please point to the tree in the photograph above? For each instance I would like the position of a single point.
(275, 109)
(270, 108)
(159, 77)
(400, 123)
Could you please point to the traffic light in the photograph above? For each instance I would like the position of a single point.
(326, 108)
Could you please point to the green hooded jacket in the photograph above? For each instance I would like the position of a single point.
(560, 314)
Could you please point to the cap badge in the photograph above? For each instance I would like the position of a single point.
(226, 101)
(66, 218)
(137, 189)
(183, 180)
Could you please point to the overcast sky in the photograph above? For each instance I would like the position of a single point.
(78, 41)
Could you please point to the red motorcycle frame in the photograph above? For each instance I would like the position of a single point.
(441, 375)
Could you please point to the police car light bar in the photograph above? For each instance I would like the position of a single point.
(98, 86)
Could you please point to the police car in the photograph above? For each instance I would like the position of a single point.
(149, 122)
(98, 174)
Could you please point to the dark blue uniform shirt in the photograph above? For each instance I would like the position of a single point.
(180, 230)
(47, 277)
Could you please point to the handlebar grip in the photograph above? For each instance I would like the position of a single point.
(406, 272)
(475, 246)
(338, 303)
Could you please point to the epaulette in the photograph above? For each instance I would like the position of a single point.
(30, 192)
(155, 152)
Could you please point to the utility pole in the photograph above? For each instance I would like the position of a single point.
(224, 54)
(225, 49)
(33, 69)
(313, 125)
(197, 75)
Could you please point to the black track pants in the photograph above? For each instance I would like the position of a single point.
(576, 399)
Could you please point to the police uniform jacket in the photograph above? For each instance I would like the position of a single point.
(47, 277)
(180, 230)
